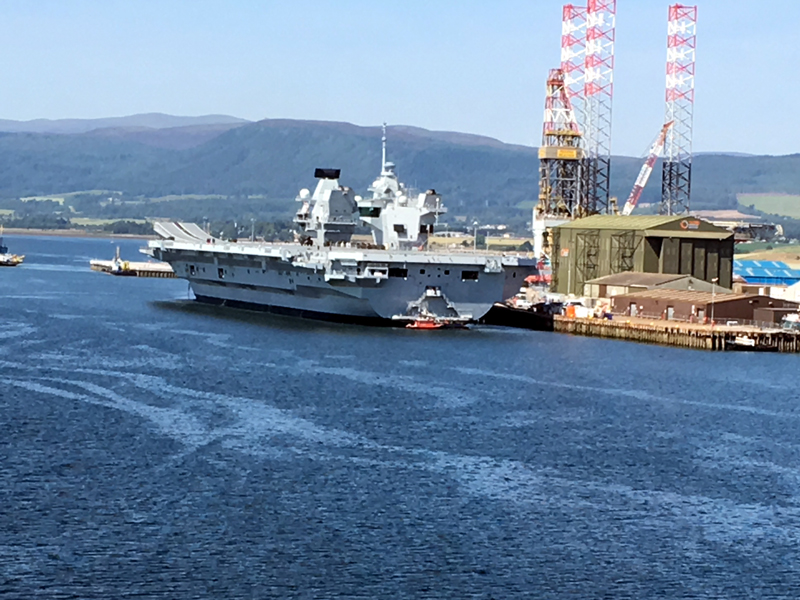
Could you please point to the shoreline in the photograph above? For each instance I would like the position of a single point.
(76, 233)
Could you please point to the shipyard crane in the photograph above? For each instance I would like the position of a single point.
(647, 168)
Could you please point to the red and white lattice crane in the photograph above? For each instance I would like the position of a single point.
(598, 90)
(676, 175)
(647, 168)
(573, 54)
(587, 61)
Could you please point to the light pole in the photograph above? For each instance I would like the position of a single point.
(252, 229)
(475, 236)
(713, 297)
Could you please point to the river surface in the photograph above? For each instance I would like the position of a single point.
(155, 448)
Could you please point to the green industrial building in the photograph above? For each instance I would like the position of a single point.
(600, 245)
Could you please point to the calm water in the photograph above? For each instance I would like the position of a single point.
(151, 447)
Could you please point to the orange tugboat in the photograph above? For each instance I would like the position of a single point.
(431, 322)
(433, 311)
(424, 324)
(436, 324)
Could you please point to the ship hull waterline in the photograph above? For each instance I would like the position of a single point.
(297, 313)
(280, 287)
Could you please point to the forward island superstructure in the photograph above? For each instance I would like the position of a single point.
(326, 275)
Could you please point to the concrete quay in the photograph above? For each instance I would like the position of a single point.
(684, 335)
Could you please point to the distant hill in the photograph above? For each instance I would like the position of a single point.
(175, 138)
(723, 154)
(451, 137)
(237, 168)
(149, 120)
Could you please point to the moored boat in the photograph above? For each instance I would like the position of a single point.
(6, 259)
(423, 323)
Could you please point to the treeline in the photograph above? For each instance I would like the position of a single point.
(271, 231)
(227, 229)
(37, 221)
(42, 221)
(128, 228)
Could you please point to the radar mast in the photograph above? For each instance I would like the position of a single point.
(383, 148)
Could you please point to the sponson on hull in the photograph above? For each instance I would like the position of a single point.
(325, 275)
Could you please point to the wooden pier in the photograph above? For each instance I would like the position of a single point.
(684, 335)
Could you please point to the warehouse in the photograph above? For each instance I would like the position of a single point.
(630, 281)
(592, 247)
(692, 305)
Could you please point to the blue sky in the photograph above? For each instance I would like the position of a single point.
(474, 66)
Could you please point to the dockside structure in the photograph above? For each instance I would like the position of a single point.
(599, 245)
(629, 282)
(687, 305)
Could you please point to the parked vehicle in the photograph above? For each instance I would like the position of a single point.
(791, 321)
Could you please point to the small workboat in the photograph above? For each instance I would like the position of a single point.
(6, 259)
(424, 324)
(434, 323)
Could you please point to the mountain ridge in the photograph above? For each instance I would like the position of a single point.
(150, 120)
(272, 159)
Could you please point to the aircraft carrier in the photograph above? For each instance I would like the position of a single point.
(326, 275)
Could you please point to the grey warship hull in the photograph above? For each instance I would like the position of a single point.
(326, 275)
(341, 284)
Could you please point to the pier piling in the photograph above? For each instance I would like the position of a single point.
(684, 335)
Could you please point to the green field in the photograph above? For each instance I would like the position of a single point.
(60, 198)
(174, 197)
(89, 222)
(787, 205)
(761, 247)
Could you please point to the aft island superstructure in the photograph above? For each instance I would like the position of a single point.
(326, 275)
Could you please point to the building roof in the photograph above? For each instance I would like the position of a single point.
(725, 215)
(753, 270)
(632, 222)
(632, 278)
(653, 225)
(695, 297)
(761, 264)
(721, 234)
